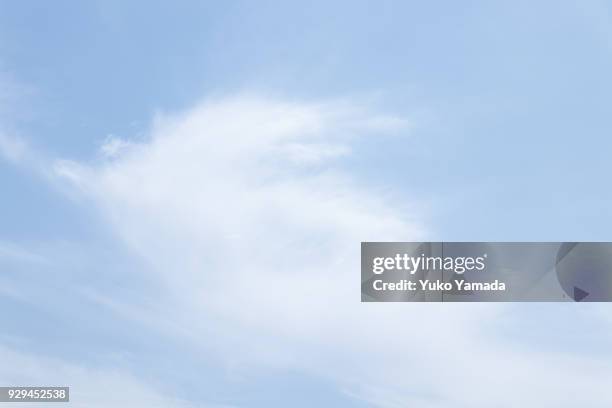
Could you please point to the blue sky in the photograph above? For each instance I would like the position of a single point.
(157, 141)
(517, 89)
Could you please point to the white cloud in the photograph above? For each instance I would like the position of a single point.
(239, 207)
(113, 146)
(89, 388)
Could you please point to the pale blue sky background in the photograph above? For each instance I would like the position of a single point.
(514, 95)
(510, 111)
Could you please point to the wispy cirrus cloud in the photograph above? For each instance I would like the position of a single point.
(257, 252)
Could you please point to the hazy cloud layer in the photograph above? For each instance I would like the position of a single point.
(90, 387)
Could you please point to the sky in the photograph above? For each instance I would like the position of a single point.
(185, 186)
